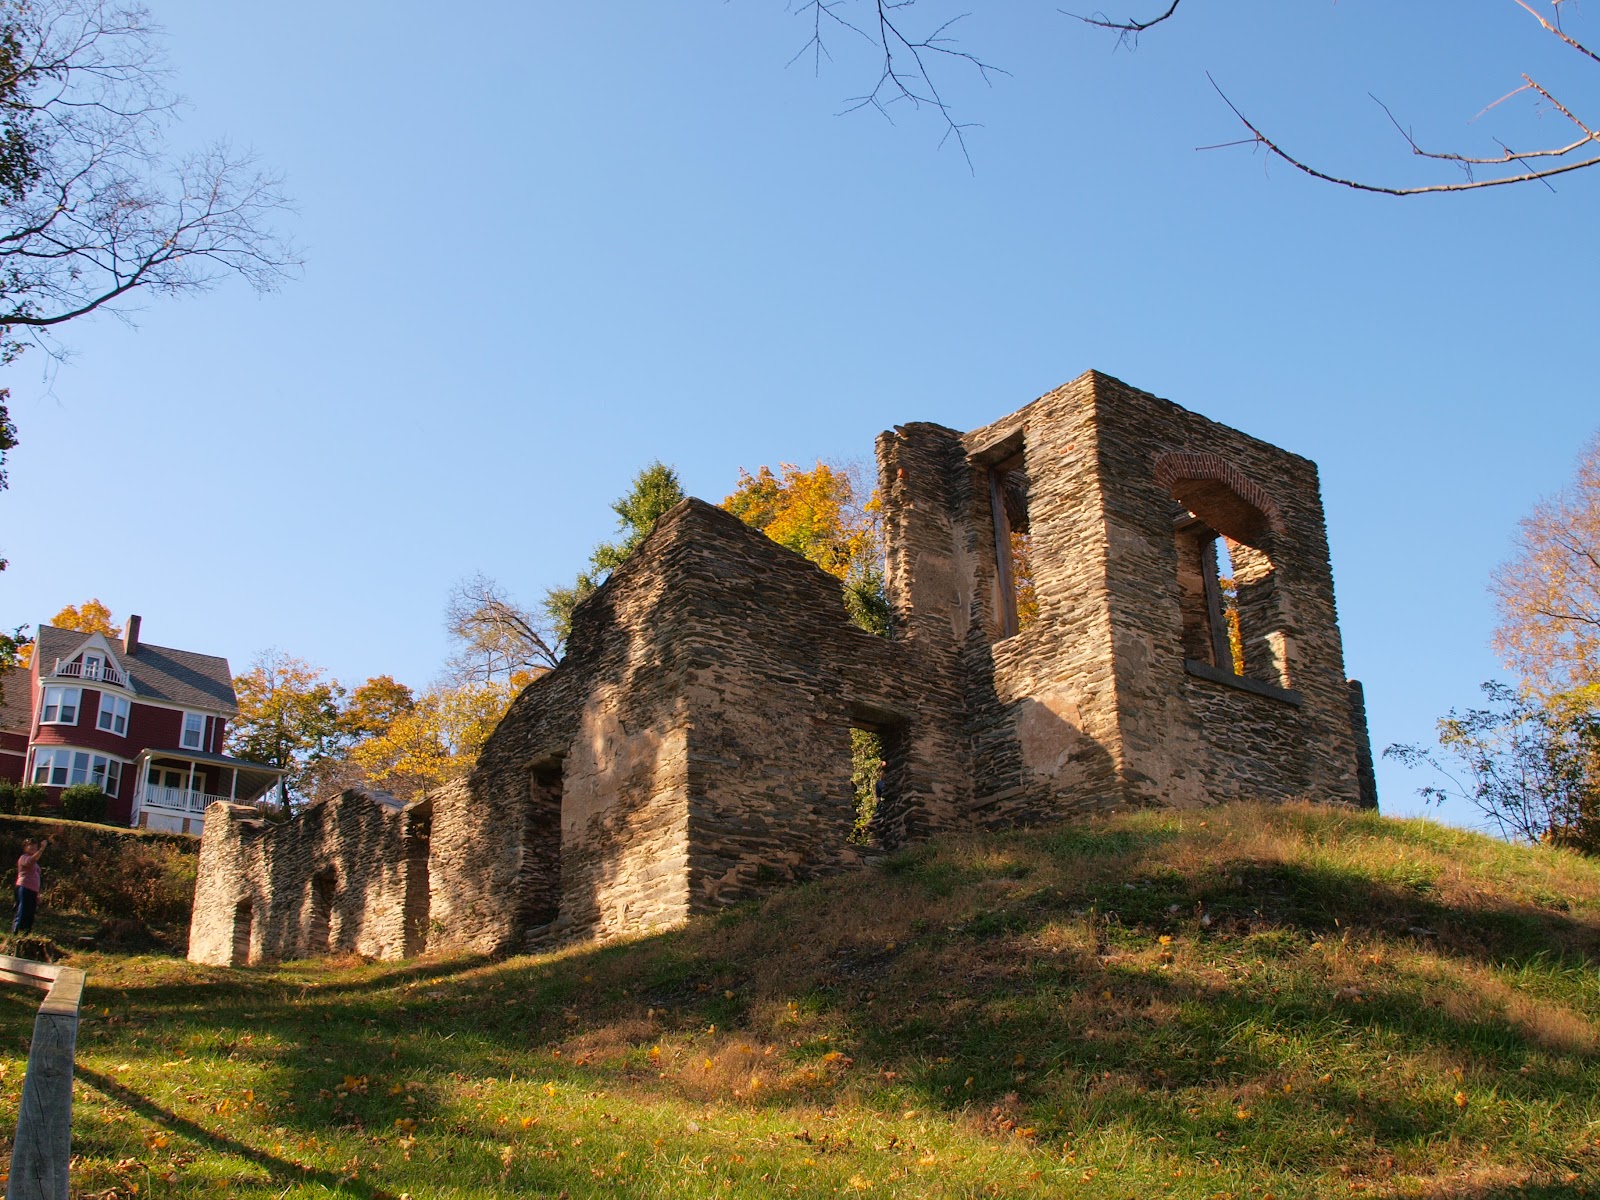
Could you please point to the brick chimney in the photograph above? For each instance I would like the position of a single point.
(130, 635)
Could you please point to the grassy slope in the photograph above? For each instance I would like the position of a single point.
(1243, 1002)
(99, 873)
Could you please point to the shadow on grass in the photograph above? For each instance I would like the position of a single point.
(279, 1169)
(970, 1014)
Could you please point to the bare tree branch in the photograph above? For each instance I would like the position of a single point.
(92, 209)
(496, 640)
(1131, 25)
(906, 71)
(1560, 159)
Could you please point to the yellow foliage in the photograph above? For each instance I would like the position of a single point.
(1548, 593)
(436, 741)
(92, 616)
(815, 513)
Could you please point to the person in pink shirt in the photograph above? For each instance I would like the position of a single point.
(28, 885)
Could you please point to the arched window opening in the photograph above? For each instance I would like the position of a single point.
(1233, 615)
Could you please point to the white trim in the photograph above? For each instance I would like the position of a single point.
(44, 701)
(183, 732)
(127, 714)
(33, 766)
(97, 642)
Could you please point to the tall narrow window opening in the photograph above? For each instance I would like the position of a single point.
(419, 828)
(1008, 505)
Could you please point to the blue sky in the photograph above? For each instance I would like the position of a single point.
(547, 243)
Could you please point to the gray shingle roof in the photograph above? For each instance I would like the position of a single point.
(16, 704)
(157, 672)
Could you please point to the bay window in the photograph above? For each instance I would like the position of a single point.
(56, 766)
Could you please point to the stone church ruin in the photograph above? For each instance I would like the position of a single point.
(1062, 643)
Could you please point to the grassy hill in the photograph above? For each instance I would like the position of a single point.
(117, 885)
(1246, 1002)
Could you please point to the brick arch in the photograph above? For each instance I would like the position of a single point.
(1193, 480)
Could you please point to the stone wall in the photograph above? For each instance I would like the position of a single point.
(693, 747)
(348, 874)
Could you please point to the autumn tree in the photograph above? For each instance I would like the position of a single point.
(830, 518)
(436, 740)
(289, 716)
(92, 616)
(1547, 594)
(655, 490)
(374, 706)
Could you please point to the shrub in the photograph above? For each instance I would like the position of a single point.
(31, 798)
(84, 802)
(8, 796)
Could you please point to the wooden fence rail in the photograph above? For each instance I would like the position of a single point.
(43, 1146)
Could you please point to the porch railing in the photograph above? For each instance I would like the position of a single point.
(105, 672)
(177, 799)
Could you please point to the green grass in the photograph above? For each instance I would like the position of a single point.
(1243, 1002)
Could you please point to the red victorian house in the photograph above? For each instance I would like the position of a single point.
(143, 723)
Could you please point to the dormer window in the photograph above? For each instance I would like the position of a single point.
(194, 731)
(93, 665)
(60, 706)
(113, 714)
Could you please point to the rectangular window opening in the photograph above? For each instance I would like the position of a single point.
(876, 765)
(194, 731)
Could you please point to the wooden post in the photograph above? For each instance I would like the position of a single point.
(43, 1147)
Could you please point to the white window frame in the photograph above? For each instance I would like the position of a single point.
(200, 732)
(67, 766)
(45, 706)
(94, 665)
(117, 709)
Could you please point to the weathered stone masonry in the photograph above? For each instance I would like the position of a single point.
(693, 747)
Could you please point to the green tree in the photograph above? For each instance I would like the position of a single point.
(655, 490)
(289, 716)
(1532, 768)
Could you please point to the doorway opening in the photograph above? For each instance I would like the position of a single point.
(539, 872)
(243, 933)
(319, 925)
